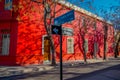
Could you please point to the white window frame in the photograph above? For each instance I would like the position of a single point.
(106, 50)
(94, 25)
(70, 46)
(8, 4)
(5, 44)
(86, 45)
(43, 44)
(96, 47)
(83, 21)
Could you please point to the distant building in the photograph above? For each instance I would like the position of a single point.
(23, 39)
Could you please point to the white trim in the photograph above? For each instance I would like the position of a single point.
(5, 44)
(43, 43)
(96, 47)
(10, 4)
(86, 45)
(47, 61)
(71, 46)
(68, 4)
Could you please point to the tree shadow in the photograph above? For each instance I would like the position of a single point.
(86, 75)
(77, 75)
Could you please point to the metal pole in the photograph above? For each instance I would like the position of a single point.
(61, 70)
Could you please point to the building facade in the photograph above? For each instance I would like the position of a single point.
(24, 41)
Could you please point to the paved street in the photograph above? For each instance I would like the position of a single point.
(102, 70)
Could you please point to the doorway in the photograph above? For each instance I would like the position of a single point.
(46, 49)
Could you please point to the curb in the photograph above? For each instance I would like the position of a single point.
(11, 71)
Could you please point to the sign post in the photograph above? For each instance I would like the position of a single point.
(57, 29)
(61, 66)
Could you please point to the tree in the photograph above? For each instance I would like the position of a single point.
(105, 41)
(114, 16)
(116, 21)
(45, 10)
(83, 31)
(117, 41)
(47, 13)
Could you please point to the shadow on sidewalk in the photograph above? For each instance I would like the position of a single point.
(73, 71)
(95, 73)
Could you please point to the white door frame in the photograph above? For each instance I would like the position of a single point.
(43, 43)
(43, 48)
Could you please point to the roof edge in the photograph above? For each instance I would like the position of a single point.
(68, 4)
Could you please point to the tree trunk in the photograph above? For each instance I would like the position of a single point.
(51, 43)
(116, 49)
(48, 30)
(104, 55)
(84, 52)
(105, 42)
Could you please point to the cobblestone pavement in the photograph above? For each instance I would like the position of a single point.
(74, 71)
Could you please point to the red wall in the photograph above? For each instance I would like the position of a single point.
(27, 29)
(8, 22)
(31, 30)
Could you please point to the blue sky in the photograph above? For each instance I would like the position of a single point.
(95, 6)
(99, 7)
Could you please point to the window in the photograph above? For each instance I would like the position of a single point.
(8, 4)
(94, 25)
(83, 21)
(70, 45)
(95, 47)
(86, 45)
(106, 49)
(5, 41)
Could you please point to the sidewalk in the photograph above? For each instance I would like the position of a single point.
(18, 70)
(72, 70)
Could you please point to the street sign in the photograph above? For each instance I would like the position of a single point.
(69, 16)
(56, 29)
(67, 31)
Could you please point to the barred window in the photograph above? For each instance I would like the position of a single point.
(70, 45)
(94, 25)
(83, 21)
(86, 45)
(95, 47)
(4, 44)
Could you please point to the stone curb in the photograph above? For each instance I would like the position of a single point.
(10, 71)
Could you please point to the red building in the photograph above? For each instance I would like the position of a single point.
(23, 38)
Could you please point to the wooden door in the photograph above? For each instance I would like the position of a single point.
(46, 49)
